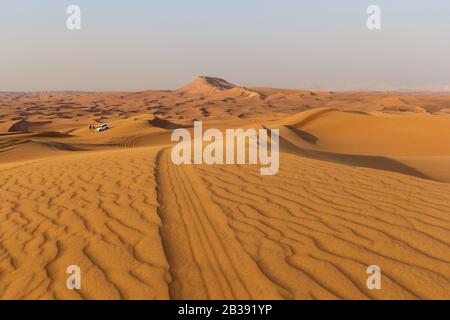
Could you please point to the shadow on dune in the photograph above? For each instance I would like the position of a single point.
(51, 134)
(166, 124)
(59, 146)
(26, 126)
(308, 137)
(373, 162)
(9, 145)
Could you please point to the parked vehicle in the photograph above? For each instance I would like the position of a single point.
(102, 127)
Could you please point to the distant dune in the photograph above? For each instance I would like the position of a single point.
(363, 180)
(206, 85)
(379, 87)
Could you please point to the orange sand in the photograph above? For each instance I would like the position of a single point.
(363, 180)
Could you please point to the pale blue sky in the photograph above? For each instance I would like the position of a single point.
(163, 44)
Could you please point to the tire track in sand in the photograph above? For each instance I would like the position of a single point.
(206, 260)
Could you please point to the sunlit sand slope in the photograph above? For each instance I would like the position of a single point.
(97, 211)
(140, 227)
(314, 228)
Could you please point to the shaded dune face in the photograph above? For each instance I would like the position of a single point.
(26, 126)
(356, 187)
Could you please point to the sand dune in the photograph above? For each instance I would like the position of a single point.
(205, 97)
(359, 184)
(24, 125)
(206, 85)
(416, 144)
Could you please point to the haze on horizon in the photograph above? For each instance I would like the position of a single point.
(139, 45)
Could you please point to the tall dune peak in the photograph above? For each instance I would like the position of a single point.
(204, 85)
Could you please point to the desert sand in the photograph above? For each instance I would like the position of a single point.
(364, 180)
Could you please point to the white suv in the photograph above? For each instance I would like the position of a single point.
(102, 127)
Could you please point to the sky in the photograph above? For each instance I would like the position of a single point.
(164, 44)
